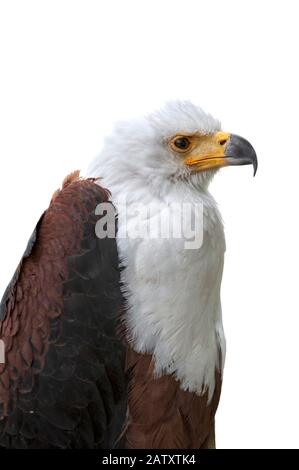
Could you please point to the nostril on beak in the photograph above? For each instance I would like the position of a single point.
(223, 141)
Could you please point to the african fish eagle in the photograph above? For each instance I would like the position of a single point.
(117, 341)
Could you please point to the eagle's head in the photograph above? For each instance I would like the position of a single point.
(179, 143)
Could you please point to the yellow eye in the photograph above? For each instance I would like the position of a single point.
(181, 144)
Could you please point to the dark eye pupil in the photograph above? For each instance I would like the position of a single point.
(182, 143)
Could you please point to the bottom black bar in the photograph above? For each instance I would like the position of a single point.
(147, 458)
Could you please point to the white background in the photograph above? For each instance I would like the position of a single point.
(70, 68)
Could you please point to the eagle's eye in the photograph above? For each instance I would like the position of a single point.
(181, 143)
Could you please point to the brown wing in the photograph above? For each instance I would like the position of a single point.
(63, 382)
(161, 414)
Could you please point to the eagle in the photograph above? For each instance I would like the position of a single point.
(113, 339)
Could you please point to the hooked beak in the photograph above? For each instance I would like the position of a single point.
(219, 150)
(240, 152)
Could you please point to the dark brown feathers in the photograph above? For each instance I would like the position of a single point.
(63, 383)
(161, 414)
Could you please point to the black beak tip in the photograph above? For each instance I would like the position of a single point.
(252, 157)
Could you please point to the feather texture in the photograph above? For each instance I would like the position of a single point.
(161, 414)
(63, 383)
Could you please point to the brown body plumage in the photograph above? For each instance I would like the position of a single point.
(62, 383)
(35, 295)
(161, 414)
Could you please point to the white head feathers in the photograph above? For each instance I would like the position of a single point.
(137, 150)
